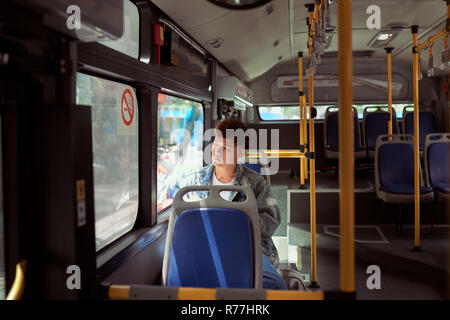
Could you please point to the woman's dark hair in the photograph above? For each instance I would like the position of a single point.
(231, 123)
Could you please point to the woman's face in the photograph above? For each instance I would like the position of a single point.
(225, 152)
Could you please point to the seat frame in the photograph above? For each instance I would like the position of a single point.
(214, 200)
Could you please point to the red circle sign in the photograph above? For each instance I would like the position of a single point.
(127, 107)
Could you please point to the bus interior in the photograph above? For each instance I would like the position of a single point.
(103, 104)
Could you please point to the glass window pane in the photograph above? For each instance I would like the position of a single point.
(268, 113)
(180, 141)
(115, 144)
(398, 108)
(2, 241)
(129, 42)
(277, 113)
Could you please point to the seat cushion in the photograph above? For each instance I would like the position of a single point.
(405, 189)
(443, 187)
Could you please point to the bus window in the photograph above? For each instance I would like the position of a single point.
(2, 241)
(397, 107)
(115, 154)
(277, 113)
(129, 42)
(180, 141)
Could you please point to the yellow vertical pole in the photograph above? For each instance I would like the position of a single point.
(300, 98)
(305, 138)
(346, 148)
(415, 30)
(389, 76)
(311, 155)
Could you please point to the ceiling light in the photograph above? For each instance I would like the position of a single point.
(239, 4)
(384, 36)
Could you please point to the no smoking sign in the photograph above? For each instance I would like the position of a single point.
(127, 107)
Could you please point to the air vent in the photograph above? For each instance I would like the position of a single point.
(356, 54)
(215, 43)
(269, 9)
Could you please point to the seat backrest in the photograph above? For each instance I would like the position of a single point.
(331, 129)
(437, 159)
(394, 162)
(427, 124)
(375, 123)
(213, 242)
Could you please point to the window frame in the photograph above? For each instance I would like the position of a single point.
(139, 108)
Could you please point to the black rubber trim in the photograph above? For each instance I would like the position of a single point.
(389, 49)
(125, 255)
(414, 29)
(339, 295)
(310, 155)
(313, 111)
(300, 54)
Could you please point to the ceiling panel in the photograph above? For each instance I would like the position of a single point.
(249, 35)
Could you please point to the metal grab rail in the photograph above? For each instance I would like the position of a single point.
(346, 145)
(276, 154)
(416, 70)
(151, 292)
(18, 287)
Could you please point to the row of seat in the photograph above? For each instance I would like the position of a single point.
(394, 168)
(375, 123)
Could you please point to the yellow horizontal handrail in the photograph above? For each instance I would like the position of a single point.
(431, 40)
(18, 287)
(184, 293)
(276, 154)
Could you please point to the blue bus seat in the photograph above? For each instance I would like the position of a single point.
(213, 243)
(394, 170)
(427, 125)
(331, 134)
(437, 164)
(375, 123)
